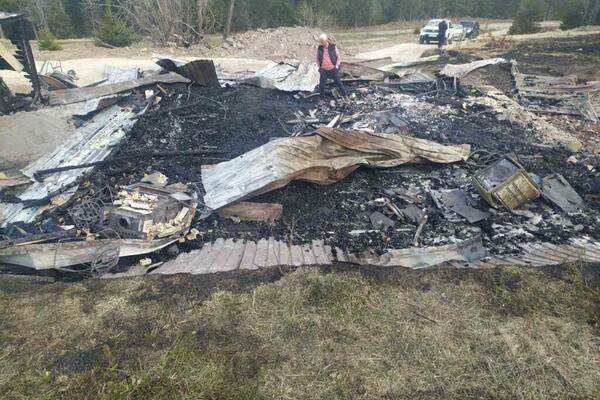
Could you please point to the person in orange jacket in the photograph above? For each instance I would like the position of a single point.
(328, 61)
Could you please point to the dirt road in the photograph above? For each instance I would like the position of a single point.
(91, 70)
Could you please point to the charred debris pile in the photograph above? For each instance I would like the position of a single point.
(410, 162)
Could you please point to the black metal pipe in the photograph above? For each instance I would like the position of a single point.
(39, 175)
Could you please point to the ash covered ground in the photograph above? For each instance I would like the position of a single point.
(238, 119)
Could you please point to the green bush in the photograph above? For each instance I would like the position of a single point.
(48, 42)
(527, 18)
(114, 31)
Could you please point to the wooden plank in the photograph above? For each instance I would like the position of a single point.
(76, 95)
(341, 255)
(363, 72)
(171, 267)
(248, 211)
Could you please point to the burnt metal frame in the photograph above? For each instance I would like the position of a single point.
(19, 31)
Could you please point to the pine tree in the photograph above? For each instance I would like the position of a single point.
(527, 18)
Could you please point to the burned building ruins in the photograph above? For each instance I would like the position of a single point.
(193, 170)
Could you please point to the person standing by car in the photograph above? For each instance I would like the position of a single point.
(442, 29)
(328, 61)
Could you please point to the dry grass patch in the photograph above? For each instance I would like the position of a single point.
(392, 334)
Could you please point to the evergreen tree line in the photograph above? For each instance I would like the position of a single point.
(188, 20)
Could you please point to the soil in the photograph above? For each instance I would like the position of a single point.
(561, 56)
(280, 43)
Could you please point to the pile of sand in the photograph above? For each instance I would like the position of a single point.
(26, 136)
(280, 43)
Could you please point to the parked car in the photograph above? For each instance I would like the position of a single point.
(459, 34)
(471, 28)
(429, 33)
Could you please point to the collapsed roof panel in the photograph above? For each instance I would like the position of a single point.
(459, 71)
(325, 158)
(363, 72)
(225, 255)
(76, 95)
(558, 95)
(302, 77)
(199, 71)
(94, 141)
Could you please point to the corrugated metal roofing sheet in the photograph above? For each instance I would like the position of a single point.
(228, 255)
(325, 158)
(93, 142)
(201, 71)
(461, 70)
(302, 77)
(76, 95)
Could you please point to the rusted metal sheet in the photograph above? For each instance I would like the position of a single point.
(363, 72)
(325, 158)
(459, 71)
(76, 95)
(58, 81)
(199, 71)
(247, 211)
(396, 67)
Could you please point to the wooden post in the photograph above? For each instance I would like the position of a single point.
(229, 18)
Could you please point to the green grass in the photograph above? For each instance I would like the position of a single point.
(380, 334)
